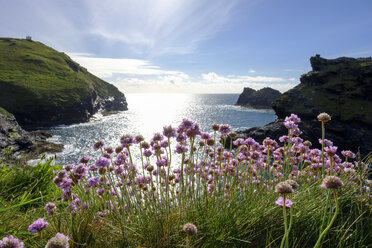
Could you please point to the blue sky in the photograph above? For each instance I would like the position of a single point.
(194, 46)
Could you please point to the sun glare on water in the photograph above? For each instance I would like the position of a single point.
(154, 111)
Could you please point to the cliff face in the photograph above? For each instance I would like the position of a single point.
(262, 98)
(341, 87)
(43, 87)
(20, 144)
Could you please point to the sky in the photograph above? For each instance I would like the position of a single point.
(194, 46)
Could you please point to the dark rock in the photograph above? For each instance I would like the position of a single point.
(21, 145)
(262, 98)
(342, 88)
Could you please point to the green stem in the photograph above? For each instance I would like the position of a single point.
(319, 242)
(323, 135)
(187, 241)
(290, 227)
(285, 223)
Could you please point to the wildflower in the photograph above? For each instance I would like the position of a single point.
(157, 137)
(331, 150)
(85, 159)
(232, 134)
(186, 124)
(93, 181)
(38, 225)
(348, 154)
(293, 184)
(58, 241)
(210, 142)
(239, 142)
(284, 138)
(109, 150)
(147, 153)
(50, 208)
(139, 138)
(180, 138)
(224, 129)
(331, 182)
(283, 188)
(150, 168)
(162, 162)
(169, 132)
(290, 125)
(324, 117)
(80, 171)
(326, 142)
(205, 136)
(181, 149)
(307, 143)
(288, 202)
(98, 145)
(127, 140)
(190, 229)
(10, 242)
(102, 162)
(164, 144)
(215, 126)
(118, 149)
(193, 130)
(102, 170)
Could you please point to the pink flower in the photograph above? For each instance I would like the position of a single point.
(38, 225)
(288, 203)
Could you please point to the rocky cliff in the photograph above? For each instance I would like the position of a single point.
(42, 87)
(19, 145)
(341, 87)
(262, 98)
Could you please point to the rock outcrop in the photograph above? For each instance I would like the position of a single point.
(262, 98)
(341, 87)
(42, 87)
(18, 145)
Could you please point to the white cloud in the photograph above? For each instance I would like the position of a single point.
(213, 77)
(252, 71)
(107, 67)
(135, 75)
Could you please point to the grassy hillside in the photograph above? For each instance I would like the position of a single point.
(35, 77)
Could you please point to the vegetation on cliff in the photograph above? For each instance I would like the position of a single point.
(42, 87)
(341, 87)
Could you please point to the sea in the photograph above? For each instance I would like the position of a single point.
(148, 114)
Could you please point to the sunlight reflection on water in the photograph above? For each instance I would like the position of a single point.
(148, 113)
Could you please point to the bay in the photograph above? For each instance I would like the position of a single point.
(148, 113)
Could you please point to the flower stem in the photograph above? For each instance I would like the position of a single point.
(285, 222)
(319, 242)
(323, 135)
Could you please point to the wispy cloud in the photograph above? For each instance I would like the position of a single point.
(159, 27)
(213, 77)
(107, 67)
(135, 75)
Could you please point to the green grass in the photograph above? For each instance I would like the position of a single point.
(36, 77)
(23, 193)
(4, 112)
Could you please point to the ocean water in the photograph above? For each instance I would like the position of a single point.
(148, 113)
